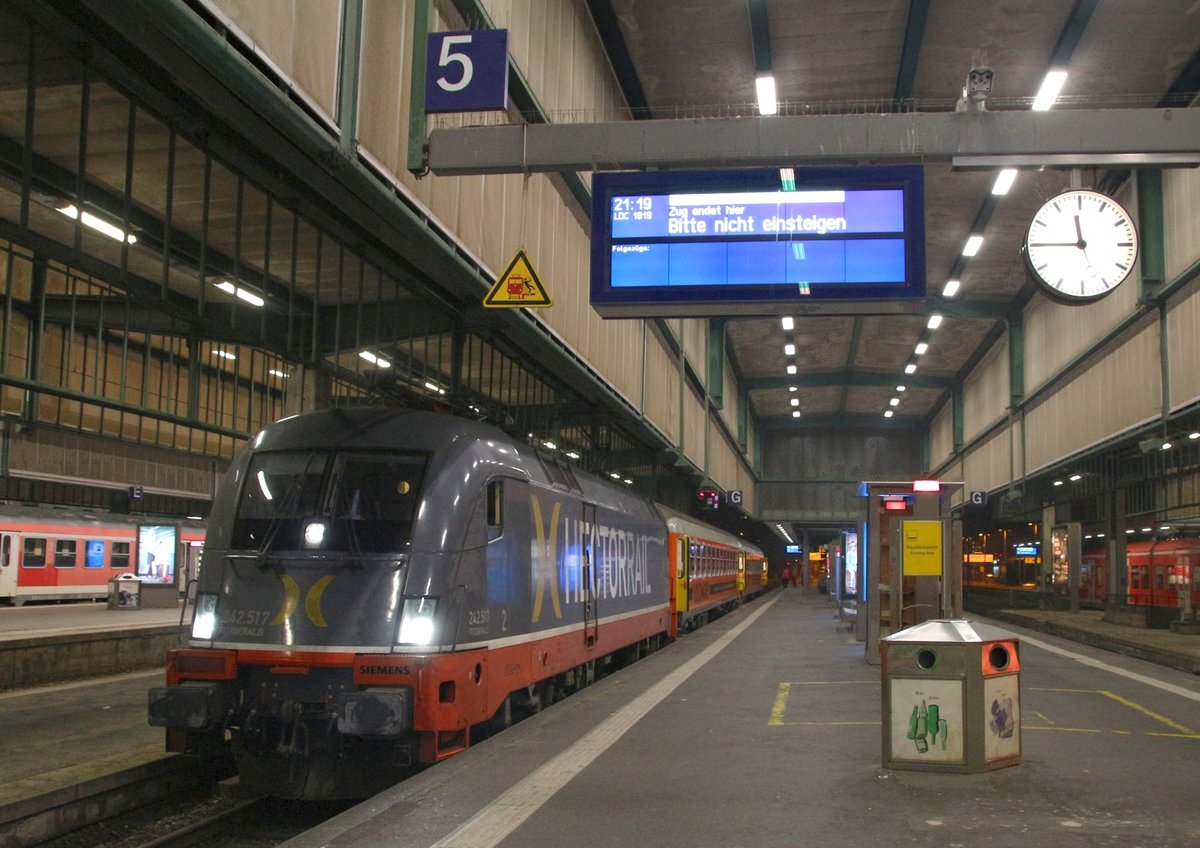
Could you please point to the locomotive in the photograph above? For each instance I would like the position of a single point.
(384, 587)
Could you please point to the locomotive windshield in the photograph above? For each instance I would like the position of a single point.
(357, 502)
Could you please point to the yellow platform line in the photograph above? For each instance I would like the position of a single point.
(1184, 731)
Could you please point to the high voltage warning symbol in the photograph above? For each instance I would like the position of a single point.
(517, 286)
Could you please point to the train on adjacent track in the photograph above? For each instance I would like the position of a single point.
(71, 554)
(382, 588)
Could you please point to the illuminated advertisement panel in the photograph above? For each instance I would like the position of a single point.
(739, 242)
(156, 553)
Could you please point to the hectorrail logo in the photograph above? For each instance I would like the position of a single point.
(312, 600)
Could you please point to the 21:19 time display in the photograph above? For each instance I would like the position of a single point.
(625, 207)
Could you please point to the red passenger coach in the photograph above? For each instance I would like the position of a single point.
(714, 571)
(54, 555)
(1165, 573)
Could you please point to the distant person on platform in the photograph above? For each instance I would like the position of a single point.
(787, 577)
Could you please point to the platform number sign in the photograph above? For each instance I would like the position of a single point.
(466, 71)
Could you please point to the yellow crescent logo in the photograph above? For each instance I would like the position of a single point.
(312, 600)
(291, 598)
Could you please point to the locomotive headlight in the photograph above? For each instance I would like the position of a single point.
(416, 621)
(314, 534)
(204, 622)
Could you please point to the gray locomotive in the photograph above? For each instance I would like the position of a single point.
(380, 587)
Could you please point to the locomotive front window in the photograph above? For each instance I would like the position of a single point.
(358, 501)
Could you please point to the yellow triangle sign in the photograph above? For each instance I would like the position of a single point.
(517, 286)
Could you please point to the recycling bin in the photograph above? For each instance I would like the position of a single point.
(951, 697)
(124, 592)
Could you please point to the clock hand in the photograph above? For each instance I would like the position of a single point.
(1079, 233)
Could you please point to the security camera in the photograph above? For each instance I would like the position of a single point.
(976, 90)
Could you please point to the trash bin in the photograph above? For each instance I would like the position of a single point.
(124, 592)
(951, 697)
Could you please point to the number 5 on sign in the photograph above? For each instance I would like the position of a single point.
(466, 71)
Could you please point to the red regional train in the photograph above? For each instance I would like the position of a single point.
(71, 554)
(383, 588)
(1165, 573)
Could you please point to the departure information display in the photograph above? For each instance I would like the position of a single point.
(670, 243)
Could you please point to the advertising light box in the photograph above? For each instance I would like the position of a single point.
(692, 243)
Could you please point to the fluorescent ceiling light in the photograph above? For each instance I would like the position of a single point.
(894, 402)
(1195, 435)
(788, 322)
(901, 388)
(434, 387)
(572, 455)
(765, 85)
(791, 369)
(795, 401)
(921, 348)
(796, 388)
(1048, 93)
(1058, 482)
(887, 414)
(374, 360)
(795, 413)
(239, 292)
(951, 288)
(275, 372)
(789, 349)
(1075, 478)
(224, 354)
(972, 246)
(1004, 181)
(910, 368)
(935, 321)
(98, 224)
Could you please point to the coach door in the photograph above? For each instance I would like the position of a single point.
(8, 565)
(591, 610)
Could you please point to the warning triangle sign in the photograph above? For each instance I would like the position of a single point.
(517, 286)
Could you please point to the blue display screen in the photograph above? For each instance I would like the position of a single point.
(670, 241)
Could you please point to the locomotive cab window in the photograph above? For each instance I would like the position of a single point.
(353, 501)
(495, 509)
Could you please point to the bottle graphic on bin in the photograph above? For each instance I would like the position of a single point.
(926, 727)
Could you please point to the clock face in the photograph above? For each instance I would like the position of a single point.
(1080, 246)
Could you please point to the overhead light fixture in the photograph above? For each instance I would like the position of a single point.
(795, 401)
(275, 372)
(921, 348)
(934, 322)
(910, 368)
(789, 349)
(791, 369)
(894, 402)
(795, 413)
(788, 322)
(764, 84)
(1051, 85)
(1004, 181)
(887, 414)
(1075, 478)
(572, 455)
(787, 179)
(224, 354)
(927, 485)
(1166, 446)
(972, 246)
(1058, 482)
(374, 359)
(239, 292)
(793, 388)
(433, 387)
(1195, 435)
(951, 288)
(901, 388)
(98, 224)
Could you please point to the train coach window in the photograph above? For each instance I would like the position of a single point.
(64, 553)
(34, 553)
(120, 555)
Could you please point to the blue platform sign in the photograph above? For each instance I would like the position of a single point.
(467, 71)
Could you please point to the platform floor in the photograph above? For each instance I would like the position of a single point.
(764, 729)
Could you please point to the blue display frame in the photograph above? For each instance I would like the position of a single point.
(694, 243)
